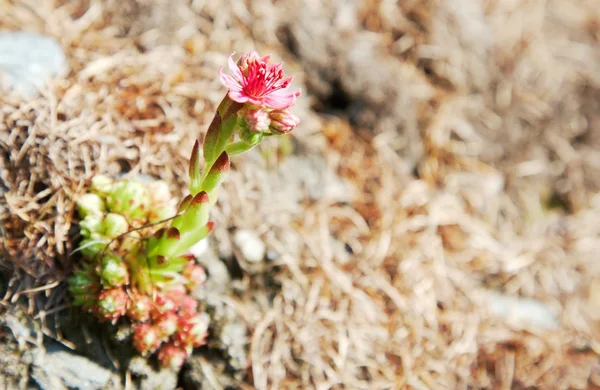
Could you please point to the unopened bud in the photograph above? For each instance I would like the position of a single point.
(257, 120)
(283, 121)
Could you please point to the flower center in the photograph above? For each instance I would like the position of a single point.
(262, 79)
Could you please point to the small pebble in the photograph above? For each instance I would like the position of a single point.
(251, 246)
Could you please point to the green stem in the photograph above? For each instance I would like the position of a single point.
(237, 148)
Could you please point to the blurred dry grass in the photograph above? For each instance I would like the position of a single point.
(494, 103)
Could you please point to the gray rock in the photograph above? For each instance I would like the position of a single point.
(207, 373)
(218, 275)
(151, 379)
(228, 333)
(28, 60)
(13, 369)
(59, 369)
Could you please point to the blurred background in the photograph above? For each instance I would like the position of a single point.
(434, 222)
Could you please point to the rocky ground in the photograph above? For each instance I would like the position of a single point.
(433, 223)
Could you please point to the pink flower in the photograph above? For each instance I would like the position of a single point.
(257, 82)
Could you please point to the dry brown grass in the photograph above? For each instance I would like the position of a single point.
(495, 103)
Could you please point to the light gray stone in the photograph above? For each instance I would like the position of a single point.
(61, 369)
(522, 311)
(151, 379)
(28, 60)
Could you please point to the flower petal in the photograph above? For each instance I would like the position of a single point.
(280, 100)
(229, 81)
(235, 70)
(238, 96)
(257, 101)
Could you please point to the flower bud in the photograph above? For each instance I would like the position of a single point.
(146, 339)
(112, 304)
(114, 225)
(192, 331)
(283, 121)
(114, 271)
(166, 325)
(257, 120)
(90, 204)
(139, 307)
(171, 356)
(195, 274)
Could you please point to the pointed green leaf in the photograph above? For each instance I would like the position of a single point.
(217, 173)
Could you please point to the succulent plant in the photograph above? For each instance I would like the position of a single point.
(136, 260)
